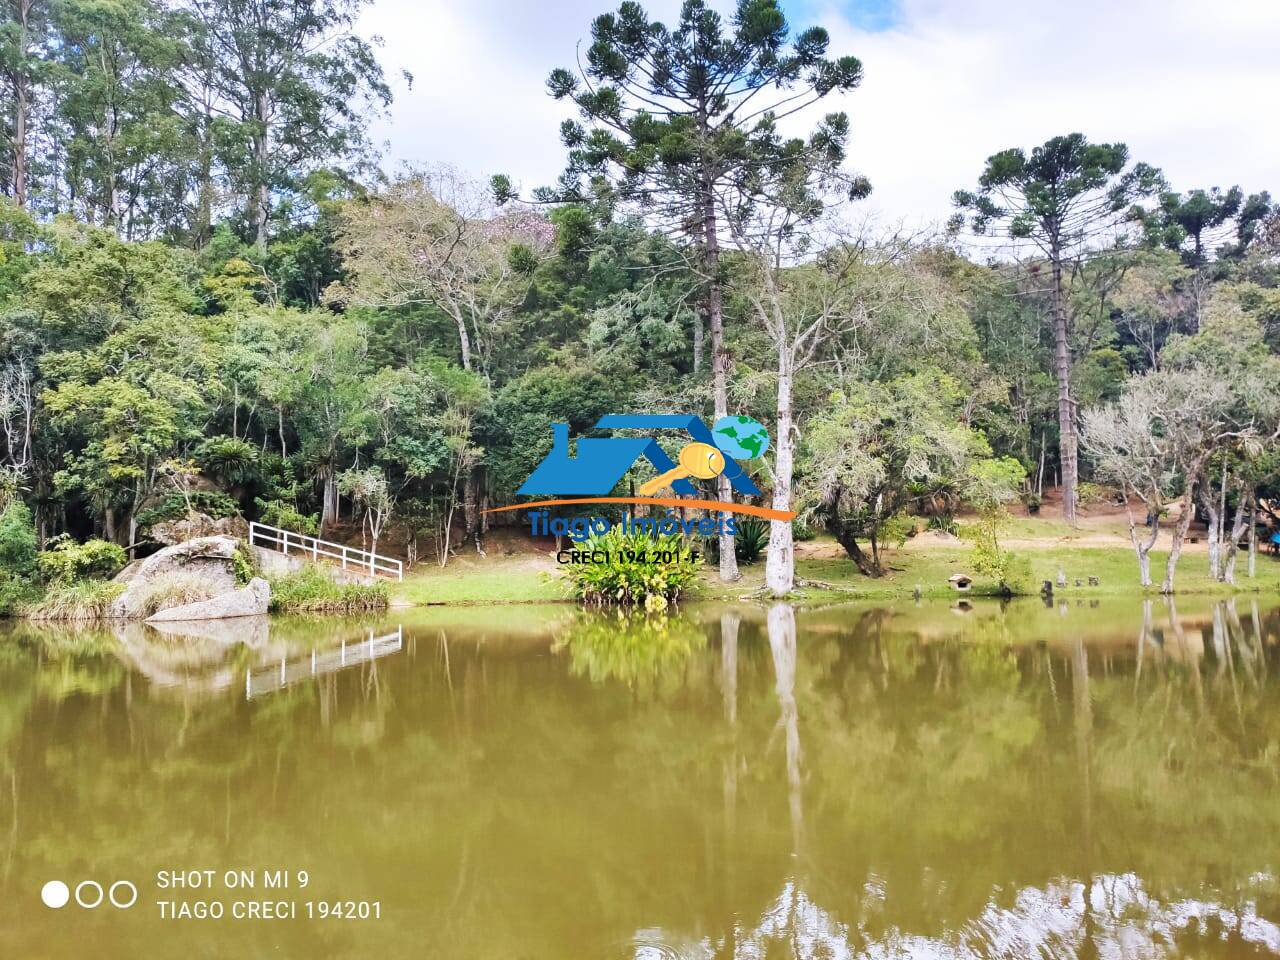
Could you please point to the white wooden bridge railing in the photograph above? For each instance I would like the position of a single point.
(350, 558)
(347, 654)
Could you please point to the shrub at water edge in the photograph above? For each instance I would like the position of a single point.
(81, 600)
(310, 589)
(633, 568)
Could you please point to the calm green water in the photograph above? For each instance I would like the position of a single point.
(743, 782)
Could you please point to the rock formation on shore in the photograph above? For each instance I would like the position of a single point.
(210, 563)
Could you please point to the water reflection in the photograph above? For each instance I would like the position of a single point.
(726, 782)
(635, 648)
(318, 663)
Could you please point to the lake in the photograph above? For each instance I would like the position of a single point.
(916, 780)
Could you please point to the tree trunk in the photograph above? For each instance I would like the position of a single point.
(464, 336)
(21, 80)
(204, 205)
(1040, 469)
(329, 499)
(260, 198)
(1180, 530)
(699, 337)
(1237, 531)
(1209, 502)
(1066, 416)
(849, 542)
(470, 508)
(719, 363)
(780, 566)
(21, 110)
(471, 482)
(1143, 547)
(1253, 536)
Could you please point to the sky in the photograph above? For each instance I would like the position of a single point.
(1190, 85)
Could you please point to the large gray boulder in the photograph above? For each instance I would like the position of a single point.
(208, 558)
(199, 525)
(250, 601)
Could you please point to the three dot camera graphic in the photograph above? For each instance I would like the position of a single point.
(89, 894)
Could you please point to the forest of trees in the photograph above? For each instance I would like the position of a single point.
(210, 288)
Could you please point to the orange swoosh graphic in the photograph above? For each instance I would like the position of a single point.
(716, 505)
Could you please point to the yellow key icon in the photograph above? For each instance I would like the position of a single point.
(700, 460)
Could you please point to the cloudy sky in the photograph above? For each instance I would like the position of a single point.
(1190, 85)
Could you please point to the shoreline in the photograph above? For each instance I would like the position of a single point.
(518, 579)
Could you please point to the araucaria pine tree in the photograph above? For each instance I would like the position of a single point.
(673, 119)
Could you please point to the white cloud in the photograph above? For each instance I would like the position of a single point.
(1182, 83)
(1190, 86)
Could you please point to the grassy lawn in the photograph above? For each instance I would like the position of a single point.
(531, 578)
(1115, 567)
(519, 579)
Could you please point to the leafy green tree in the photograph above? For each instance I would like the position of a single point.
(1211, 221)
(126, 148)
(294, 87)
(115, 436)
(24, 32)
(434, 237)
(372, 496)
(1063, 197)
(18, 544)
(1180, 219)
(67, 561)
(670, 118)
(879, 448)
(92, 284)
(230, 460)
(990, 484)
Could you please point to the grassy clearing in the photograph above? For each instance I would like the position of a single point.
(84, 600)
(1115, 567)
(311, 591)
(519, 579)
(533, 579)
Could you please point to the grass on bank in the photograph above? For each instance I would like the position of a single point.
(174, 590)
(80, 601)
(1115, 567)
(519, 579)
(311, 591)
(533, 578)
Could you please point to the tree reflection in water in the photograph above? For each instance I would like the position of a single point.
(1106, 914)
(733, 782)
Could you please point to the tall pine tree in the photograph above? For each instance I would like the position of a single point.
(673, 119)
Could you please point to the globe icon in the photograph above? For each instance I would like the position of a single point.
(741, 437)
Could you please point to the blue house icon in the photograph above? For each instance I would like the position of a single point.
(603, 461)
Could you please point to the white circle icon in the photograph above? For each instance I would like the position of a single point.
(91, 885)
(132, 893)
(55, 894)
